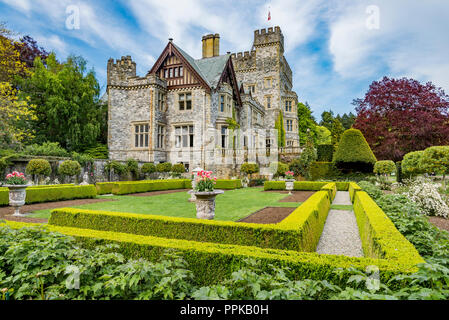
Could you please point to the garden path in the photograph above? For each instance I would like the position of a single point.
(341, 234)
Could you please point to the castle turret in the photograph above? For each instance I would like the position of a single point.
(121, 70)
(269, 36)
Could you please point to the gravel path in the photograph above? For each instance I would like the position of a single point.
(340, 234)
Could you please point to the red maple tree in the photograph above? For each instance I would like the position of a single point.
(398, 116)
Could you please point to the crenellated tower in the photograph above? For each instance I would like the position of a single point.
(120, 70)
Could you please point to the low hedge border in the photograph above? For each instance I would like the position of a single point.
(130, 187)
(305, 185)
(380, 238)
(228, 184)
(211, 263)
(293, 235)
(104, 187)
(353, 188)
(39, 194)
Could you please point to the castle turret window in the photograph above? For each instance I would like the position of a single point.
(289, 125)
(268, 102)
(222, 103)
(288, 106)
(160, 136)
(161, 101)
(224, 137)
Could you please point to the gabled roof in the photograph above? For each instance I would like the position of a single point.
(212, 68)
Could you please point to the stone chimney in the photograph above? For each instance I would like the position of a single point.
(211, 45)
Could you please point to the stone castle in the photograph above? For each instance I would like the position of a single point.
(215, 112)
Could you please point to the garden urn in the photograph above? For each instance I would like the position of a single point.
(17, 195)
(289, 185)
(205, 203)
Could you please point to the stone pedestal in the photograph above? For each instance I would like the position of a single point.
(205, 204)
(289, 185)
(17, 195)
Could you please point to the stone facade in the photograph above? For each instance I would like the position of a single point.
(146, 121)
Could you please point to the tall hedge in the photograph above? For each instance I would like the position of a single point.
(354, 153)
(325, 152)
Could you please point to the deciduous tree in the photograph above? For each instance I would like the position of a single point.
(398, 116)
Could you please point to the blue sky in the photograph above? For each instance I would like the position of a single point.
(335, 48)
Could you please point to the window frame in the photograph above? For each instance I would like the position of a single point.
(141, 135)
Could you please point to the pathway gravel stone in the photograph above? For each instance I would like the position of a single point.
(341, 234)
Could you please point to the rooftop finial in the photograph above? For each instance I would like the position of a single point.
(170, 39)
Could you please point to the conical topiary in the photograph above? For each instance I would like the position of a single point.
(354, 153)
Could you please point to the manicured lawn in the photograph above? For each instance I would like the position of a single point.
(233, 205)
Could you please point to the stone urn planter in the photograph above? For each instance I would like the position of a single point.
(17, 195)
(205, 203)
(289, 185)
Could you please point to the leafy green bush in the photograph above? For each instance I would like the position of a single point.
(35, 262)
(278, 169)
(178, 168)
(321, 170)
(100, 151)
(249, 168)
(69, 168)
(148, 168)
(373, 191)
(411, 163)
(133, 167)
(38, 167)
(384, 167)
(436, 160)
(52, 149)
(83, 158)
(354, 153)
(164, 167)
(325, 152)
(116, 167)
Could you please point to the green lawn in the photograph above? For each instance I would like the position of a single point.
(233, 205)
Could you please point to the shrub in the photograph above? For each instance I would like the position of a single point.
(178, 168)
(69, 168)
(83, 158)
(410, 163)
(38, 167)
(249, 168)
(373, 191)
(325, 152)
(46, 149)
(436, 160)
(116, 167)
(301, 166)
(100, 151)
(321, 170)
(354, 153)
(132, 167)
(278, 168)
(274, 185)
(427, 197)
(384, 167)
(104, 187)
(148, 168)
(163, 167)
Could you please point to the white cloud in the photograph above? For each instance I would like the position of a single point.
(22, 5)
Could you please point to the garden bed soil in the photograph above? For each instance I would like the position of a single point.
(156, 193)
(440, 222)
(6, 212)
(297, 196)
(268, 215)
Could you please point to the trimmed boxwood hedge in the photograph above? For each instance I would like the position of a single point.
(57, 192)
(48, 194)
(305, 185)
(288, 235)
(380, 238)
(228, 184)
(104, 187)
(353, 188)
(129, 187)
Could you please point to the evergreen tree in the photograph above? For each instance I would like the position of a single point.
(326, 119)
(305, 121)
(281, 130)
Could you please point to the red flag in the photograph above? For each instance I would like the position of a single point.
(269, 15)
